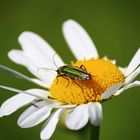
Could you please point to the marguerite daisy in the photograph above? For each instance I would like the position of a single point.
(82, 98)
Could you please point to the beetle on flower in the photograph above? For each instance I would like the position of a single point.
(109, 80)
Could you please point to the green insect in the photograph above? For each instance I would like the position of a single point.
(73, 72)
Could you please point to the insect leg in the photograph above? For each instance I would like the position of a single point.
(83, 67)
(57, 79)
(80, 87)
(62, 75)
(59, 75)
(66, 79)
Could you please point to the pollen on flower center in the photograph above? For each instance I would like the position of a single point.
(105, 74)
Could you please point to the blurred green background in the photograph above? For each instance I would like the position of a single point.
(115, 28)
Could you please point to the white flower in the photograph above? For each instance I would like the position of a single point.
(78, 97)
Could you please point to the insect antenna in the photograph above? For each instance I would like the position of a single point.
(46, 69)
(21, 91)
(54, 61)
(50, 68)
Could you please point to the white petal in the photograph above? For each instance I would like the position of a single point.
(20, 57)
(108, 93)
(134, 84)
(113, 61)
(95, 113)
(40, 94)
(78, 118)
(119, 91)
(79, 41)
(50, 125)
(17, 101)
(133, 63)
(55, 105)
(106, 58)
(123, 69)
(34, 115)
(41, 83)
(132, 76)
(35, 46)
(20, 75)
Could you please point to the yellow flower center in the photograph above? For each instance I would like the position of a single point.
(105, 74)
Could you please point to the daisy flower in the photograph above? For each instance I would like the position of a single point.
(81, 99)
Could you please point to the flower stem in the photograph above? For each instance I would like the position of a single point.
(94, 132)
